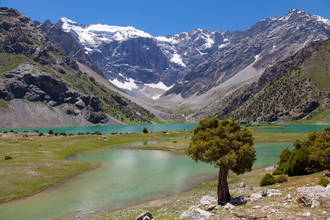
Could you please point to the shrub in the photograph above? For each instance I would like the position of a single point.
(281, 179)
(97, 133)
(309, 156)
(50, 132)
(36, 131)
(283, 164)
(324, 181)
(63, 133)
(267, 179)
(145, 130)
(41, 134)
(7, 157)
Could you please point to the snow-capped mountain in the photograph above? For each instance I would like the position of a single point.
(192, 63)
(141, 63)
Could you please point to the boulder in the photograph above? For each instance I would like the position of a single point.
(274, 192)
(242, 185)
(195, 213)
(80, 104)
(271, 168)
(314, 196)
(97, 117)
(240, 200)
(228, 206)
(145, 216)
(34, 94)
(255, 197)
(207, 202)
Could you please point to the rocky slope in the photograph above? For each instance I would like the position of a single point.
(295, 88)
(249, 52)
(33, 70)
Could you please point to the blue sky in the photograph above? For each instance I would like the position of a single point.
(169, 16)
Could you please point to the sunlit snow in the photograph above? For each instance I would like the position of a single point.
(176, 58)
(129, 85)
(159, 85)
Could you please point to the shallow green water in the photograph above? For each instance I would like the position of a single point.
(126, 177)
(299, 128)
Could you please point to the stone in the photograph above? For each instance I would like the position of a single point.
(242, 185)
(288, 196)
(257, 207)
(307, 195)
(274, 192)
(271, 168)
(240, 200)
(80, 104)
(207, 200)
(195, 213)
(315, 204)
(229, 206)
(255, 197)
(306, 214)
(145, 216)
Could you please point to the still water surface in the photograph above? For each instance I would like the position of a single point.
(127, 176)
(300, 128)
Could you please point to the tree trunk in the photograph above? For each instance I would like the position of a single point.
(223, 190)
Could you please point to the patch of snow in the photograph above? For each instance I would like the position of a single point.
(129, 85)
(321, 19)
(159, 85)
(208, 41)
(96, 34)
(176, 58)
(225, 40)
(166, 39)
(257, 57)
(223, 45)
(155, 97)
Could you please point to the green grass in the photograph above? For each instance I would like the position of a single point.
(10, 61)
(319, 118)
(4, 105)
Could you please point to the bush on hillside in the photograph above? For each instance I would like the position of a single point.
(7, 157)
(267, 179)
(309, 156)
(324, 181)
(145, 130)
(50, 132)
(281, 179)
(283, 165)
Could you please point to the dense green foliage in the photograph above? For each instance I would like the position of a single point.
(324, 181)
(281, 179)
(309, 156)
(223, 143)
(267, 179)
(145, 130)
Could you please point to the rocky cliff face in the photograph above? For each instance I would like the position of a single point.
(33, 69)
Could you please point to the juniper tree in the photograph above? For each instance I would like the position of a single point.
(226, 145)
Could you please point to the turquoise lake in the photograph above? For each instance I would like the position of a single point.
(299, 128)
(127, 177)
